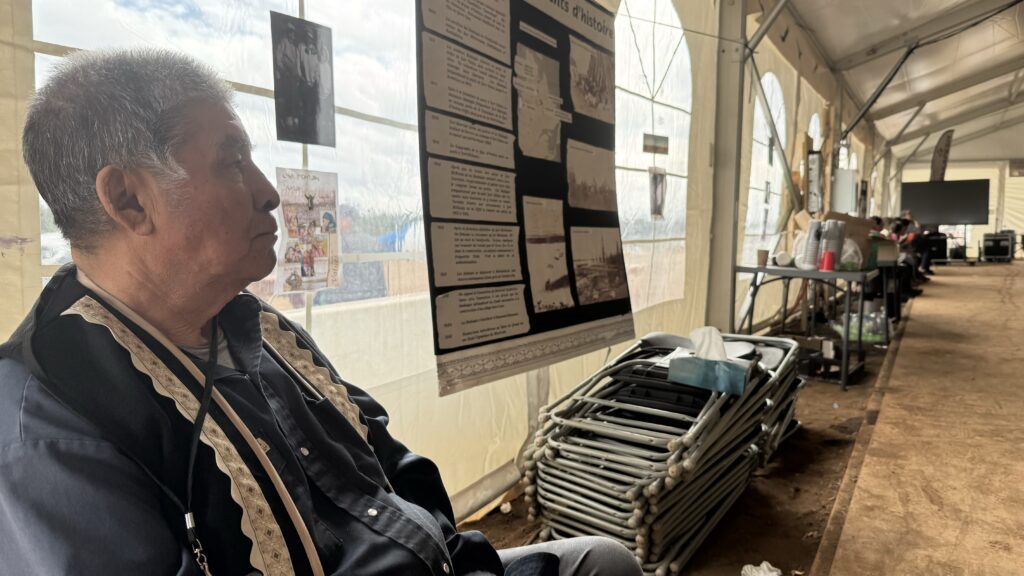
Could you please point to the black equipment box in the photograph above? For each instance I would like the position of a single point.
(998, 247)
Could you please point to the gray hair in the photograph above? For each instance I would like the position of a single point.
(122, 108)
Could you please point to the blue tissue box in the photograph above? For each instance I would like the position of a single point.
(715, 375)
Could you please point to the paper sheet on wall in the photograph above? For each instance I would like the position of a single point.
(517, 153)
(308, 255)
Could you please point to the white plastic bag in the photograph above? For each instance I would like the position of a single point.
(765, 569)
(852, 258)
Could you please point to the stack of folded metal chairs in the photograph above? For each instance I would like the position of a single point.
(652, 463)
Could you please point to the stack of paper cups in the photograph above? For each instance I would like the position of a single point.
(808, 258)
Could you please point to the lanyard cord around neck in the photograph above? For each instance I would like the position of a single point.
(197, 429)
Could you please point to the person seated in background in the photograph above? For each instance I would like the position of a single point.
(915, 245)
(907, 264)
(929, 234)
(156, 418)
(910, 224)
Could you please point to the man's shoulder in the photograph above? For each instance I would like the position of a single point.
(31, 415)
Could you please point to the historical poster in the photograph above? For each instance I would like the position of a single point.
(517, 153)
(308, 258)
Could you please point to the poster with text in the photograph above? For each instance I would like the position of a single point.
(308, 253)
(517, 153)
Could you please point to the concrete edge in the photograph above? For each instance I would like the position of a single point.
(829, 544)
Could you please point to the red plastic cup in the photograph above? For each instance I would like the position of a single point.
(828, 261)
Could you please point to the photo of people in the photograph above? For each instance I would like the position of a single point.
(308, 207)
(303, 80)
(592, 73)
(328, 223)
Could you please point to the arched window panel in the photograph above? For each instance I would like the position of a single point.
(675, 124)
(814, 131)
(651, 54)
(634, 117)
(844, 157)
(764, 192)
(377, 165)
(777, 105)
(654, 250)
(853, 161)
(374, 55)
(233, 37)
(634, 201)
(633, 49)
(653, 81)
(656, 271)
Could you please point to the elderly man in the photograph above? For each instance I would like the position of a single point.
(155, 418)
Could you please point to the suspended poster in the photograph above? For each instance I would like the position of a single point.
(303, 80)
(517, 156)
(308, 258)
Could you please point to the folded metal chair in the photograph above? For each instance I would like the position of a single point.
(655, 464)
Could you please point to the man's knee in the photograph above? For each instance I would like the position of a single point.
(607, 557)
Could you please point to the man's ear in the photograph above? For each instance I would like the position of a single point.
(127, 197)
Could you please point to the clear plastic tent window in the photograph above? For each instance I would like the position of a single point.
(763, 225)
(653, 96)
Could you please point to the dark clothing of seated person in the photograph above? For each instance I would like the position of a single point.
(157, 419)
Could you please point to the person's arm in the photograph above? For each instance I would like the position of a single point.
(78, 506)
(417, 479)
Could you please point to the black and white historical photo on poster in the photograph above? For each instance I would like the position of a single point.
(598, 263)
(591, 175)
(592, 75)
(540, 125)
(658, 191)
(545, 254)
(303, 80)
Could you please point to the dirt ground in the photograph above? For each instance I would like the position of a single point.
(781, 516)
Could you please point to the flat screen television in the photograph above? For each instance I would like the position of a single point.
(951, 202)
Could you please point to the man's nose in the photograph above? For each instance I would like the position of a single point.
(264, 195)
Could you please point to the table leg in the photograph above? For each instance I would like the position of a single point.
(860, 324)
(755, 285)
(845, 363)
(785, 303)
(814, 307)
(899, 294)
(885, 302)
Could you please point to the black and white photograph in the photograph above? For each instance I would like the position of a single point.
(592, 74)
(540, 129)
(658, 191)
(598, 263)
(545, 254)
(303, 80)
(591, 175)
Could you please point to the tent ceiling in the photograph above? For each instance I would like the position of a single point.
(976, 71)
